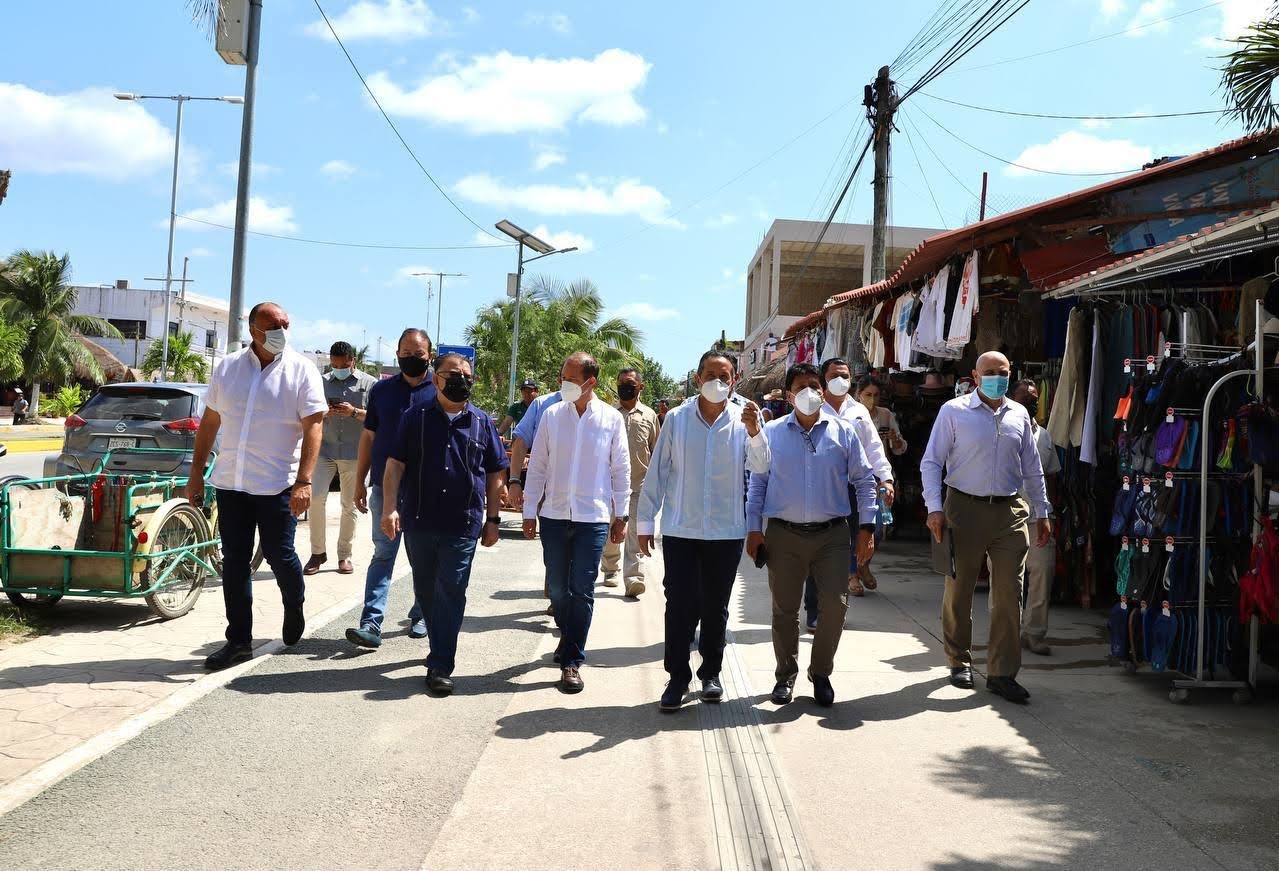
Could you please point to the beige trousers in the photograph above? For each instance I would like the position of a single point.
(792, 557)
(633, 563)
(1000, 531)
(325, 469)
(1041, 564)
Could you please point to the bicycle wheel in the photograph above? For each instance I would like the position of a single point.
(182, 527)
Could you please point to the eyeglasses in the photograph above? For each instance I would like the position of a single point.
(808, 440)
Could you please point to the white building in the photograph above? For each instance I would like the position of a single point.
(787, 279)
(138, 313)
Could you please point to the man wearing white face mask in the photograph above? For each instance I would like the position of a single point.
(347, 391)
(817, 463)
(268, 401)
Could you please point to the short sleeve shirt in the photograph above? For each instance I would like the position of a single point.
(388, 400)
(516, 411)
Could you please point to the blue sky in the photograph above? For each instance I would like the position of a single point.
(616, 127)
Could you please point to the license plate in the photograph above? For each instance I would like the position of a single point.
(116, 444)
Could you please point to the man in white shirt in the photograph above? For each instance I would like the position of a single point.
(578, 480)
(1041, 562)
(266, 400)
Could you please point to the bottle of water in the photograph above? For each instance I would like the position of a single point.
(885, 513)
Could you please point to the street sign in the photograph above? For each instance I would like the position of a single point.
(465, 350)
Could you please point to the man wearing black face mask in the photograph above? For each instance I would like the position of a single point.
(450, 459)
(641, 437)
(387, 403)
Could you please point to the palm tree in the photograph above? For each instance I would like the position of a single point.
(35, 296)
(364, 364)
(12, 340)
(186, 363)
(1250, 74)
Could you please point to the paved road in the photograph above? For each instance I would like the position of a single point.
(320, 752)
(29, 464)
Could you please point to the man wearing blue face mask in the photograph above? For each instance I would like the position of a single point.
(986, 444)
(346, 389)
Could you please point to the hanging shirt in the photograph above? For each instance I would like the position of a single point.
(966, 303)
(580, 463)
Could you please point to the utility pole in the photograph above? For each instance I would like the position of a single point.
(242, 183)
(882, 121)
(439, 310)
(169, 280)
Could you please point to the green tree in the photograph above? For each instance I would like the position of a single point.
(1250, 74)
(657, 383)
(36, 297)
(364, 364)
(185, 362)
(12, 340)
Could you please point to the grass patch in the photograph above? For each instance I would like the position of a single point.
(15, 626)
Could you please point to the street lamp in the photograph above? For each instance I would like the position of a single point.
(439, 312)
(173, 199)
(523, 238)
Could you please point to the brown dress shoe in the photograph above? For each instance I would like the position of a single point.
(345, 567)
(314, 563)
(571, 680)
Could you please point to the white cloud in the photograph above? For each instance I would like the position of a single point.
(338, 169)
(470, 14)
(1095, 124)
(199, 252)
(1147, 14)
(625, 197)
(393, 20)
(644, 311)
(1236, 17)
(506, 93)
(1081, 152)
(564, 239)
(556, 21)
(321, 333)
(548, 157)
(86, 132)
(263, 217)
(715, 222)
(1112, 8)
(231, 169)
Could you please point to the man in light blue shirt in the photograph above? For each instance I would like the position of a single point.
(986, 444)
(521, 444)
(817, 462)
(696, 479)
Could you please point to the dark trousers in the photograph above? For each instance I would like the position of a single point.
(441, 573)
(571, 552)
(699, 583)
(810, 588)
(240, 515)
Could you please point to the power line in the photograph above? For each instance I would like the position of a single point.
(338, 244)
(977, 33)
(968, 144)
(1134, 117)
(944, 164)
(395, 129)
(931, 195)
(829, 220)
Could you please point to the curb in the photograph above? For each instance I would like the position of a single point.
(37, 780)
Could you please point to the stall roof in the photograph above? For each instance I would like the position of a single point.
(934, 251)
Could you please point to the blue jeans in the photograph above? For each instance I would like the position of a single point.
(441, 571)
(377, 583)
(239, 516)
(571, 552)
(699, 584)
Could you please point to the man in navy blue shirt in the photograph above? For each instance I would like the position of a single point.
(450, 459)
(387, 402)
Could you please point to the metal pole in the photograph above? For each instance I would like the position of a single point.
(173, 220)
(242, 184)
(515, 336)
(883, 127)
(981, 216)
(439, 313)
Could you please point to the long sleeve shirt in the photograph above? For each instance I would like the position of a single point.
(985, 452)
(696, 478)
(580, 467)
(811, 474)
(856, 414)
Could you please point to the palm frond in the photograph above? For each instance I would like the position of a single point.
(88, 325)
(1249, 76)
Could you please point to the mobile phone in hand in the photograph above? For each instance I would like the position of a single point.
(761, 556)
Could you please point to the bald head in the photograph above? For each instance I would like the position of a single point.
(268, 316)
(992, 363)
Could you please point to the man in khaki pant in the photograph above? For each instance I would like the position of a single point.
(346, 389)
(641, 437)
(986, 444)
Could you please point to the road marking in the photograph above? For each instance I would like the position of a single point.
(34, 446)
(34, 782)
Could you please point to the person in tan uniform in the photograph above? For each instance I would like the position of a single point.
(642, 427)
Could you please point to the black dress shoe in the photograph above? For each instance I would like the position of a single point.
(1008, 688)
(294, 625)
(712, 690)
(783, 692)
(439, 684)
(823, 692)
(961, 676)
(228, 655)
(673, 697)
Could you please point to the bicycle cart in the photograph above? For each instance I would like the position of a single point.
(107, 534)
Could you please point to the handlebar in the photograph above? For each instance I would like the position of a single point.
(102, 464)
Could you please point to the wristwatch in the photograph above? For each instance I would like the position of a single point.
(514, 481)
(625, 518)
(496, 520)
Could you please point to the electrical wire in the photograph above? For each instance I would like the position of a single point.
(1005, 160)
(338, 244)
(395, 129)
(986, 25)
(1134, 117)
(944, 164)
(922, 175)
(829, 220)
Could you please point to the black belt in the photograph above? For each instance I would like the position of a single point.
(993, 500)
(820, 526)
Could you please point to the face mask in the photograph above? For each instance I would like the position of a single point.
(275, 341)
(994, 386)
(457, 387)
(870, 401)
(570, 392)
(627, 392)
(808, 401)
(715, 391)
(413, 367)
(341, 374)
(838, 386)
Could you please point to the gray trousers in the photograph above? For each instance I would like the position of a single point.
(792, 557)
